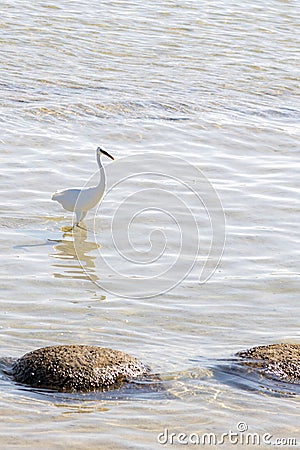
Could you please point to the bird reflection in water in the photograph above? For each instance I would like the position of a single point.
(75, 250)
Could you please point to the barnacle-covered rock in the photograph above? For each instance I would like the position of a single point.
(70, 368)
(277, 361)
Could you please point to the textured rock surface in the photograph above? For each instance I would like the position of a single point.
(280, 361)
(77, 368)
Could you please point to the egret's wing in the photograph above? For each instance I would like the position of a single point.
(67, 198)
(66, 194)
(56, 195)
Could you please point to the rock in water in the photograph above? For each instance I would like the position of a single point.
(278, 361)
(70, 368)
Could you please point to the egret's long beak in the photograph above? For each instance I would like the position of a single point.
(107, 154)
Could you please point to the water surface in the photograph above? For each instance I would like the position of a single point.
(215, 84)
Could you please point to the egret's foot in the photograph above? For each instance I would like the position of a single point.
(82, 228)
(67, 229)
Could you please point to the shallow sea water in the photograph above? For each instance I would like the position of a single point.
(214, 86)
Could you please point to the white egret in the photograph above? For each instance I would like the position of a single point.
(81, 200)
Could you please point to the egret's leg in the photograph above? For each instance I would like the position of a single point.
(78, 218)
(83, 214)
(80, 215)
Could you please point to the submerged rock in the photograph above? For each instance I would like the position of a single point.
(70, 368)
(276, 361)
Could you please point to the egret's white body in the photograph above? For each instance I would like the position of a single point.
(81, 200)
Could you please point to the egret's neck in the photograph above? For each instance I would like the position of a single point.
(102, 180)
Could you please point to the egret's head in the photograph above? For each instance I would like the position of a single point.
(101, 151)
